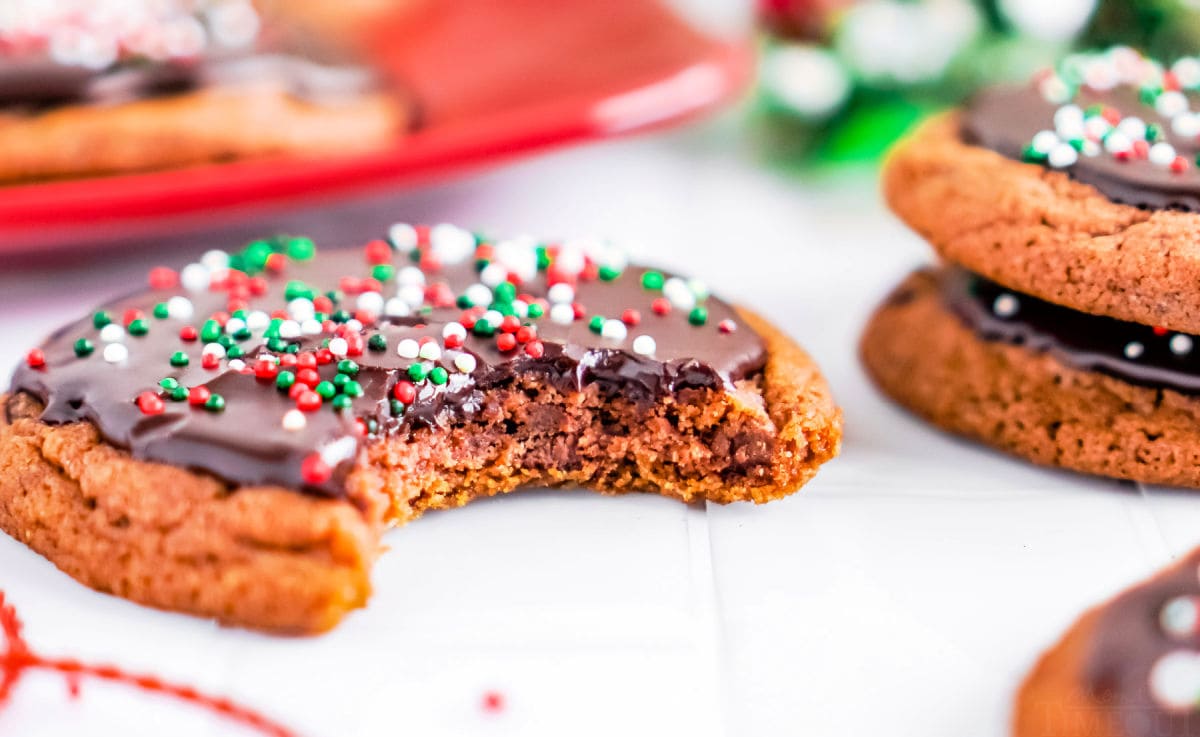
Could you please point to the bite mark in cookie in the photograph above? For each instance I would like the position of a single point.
(431, 368)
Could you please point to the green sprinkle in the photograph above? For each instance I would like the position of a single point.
(596, 323)
(504, 308)
(301, 249)
(215, 403)
(463, 302)
(481, 263)
(346, 366)
(160, 311)
(439, 375)
(276, 344)
(416, 372)
(543, 258)
(339, 380)
(210, 331)
(296, 289)
(535, 310)
(342, 402)
(100, 319)
(83, 347)
(272, 330)
(326, 389)
(234, 351)
(225, 341)
(483, 328)
(397, 407)
(505, 292)
(256, 255)
(341, 316)
(139, 327)
(293, 348)
(354, 389)
(608, 273)
(698, 316)
(169, 384)
(1033, 155)
(179, 394)
(652, 280)
(1153, 131)
(243, 334)
(377, 342)
(383, 272)
(285, 379)
(179, 359)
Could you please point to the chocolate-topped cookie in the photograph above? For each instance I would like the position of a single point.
(272, 410)
(100, 86)
(1062, 325)
(1128, 668)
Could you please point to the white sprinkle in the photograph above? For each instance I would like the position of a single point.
(518, 256)
(215, 260)
(311, 327)
(451, 244)
(479, 294)
(409, 276)
(354, 325)
(644, 345)
(1162, 154)
(493, 318)
(562, 314)
(1134, 349)
(1187, 71)
(454, 329)
(561, 293)
(613, 330)
(677, 293)
(237, 364)
(1186, 125)
(1175, 680)
(1068, 122)
(1180, 344)
(430, 351)
(1171, 103)
(493, 275)
(396, 307)
(371, 302)
(465, 362)
(408, 348)
(698, 288)
(1179, 616)
(338, 347)
(213, 349)
(1054, 90)
(289, 329)
(1117, 142)
(1044, 141)
(115, 352)
(521, 308)
(301, 309)
(412, 294)
(112, 333)
(1006, 305)
(258, 320)
(570, 259)
(180, 308)
(235, 325)
(1090, 148)
(293, 420)
(194, 277)
(1133, 127)
(403, 236)
(1062, 156)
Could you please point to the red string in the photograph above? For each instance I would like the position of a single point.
(16, 659)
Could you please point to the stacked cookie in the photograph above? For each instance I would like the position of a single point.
(1061, 323)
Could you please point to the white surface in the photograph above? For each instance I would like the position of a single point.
(903, 592)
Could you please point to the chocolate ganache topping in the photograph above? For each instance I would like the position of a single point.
(1115, 120)
(1129, 351)
(54, 52)
(1145, 654)
(273, 366)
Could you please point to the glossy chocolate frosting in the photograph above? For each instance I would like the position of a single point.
(246, 443)
(1005, 119)
(1129, 640)
(1077, 339)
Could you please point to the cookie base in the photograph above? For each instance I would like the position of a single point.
(1025, 403)
(278, 560)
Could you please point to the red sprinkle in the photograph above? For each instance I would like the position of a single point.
(35, 358)
(493, 702)
(314, 470)
(1180, 165)
(198, 395)
(209, 361)
(258, 286)
(287, 360)
(350, 285)
(296, 390)
(534, 349)
(405, 391)
(727, 326)
(506, 341)
(580, 310)
(660, 306)
(631, 317)
(324, 356)
(322, 303)
(308, 377)
(150, 403)
(307, 359)
(355, 343)
(265, 368)
(132, 314)
(163, 278)
(378, 252)
(526, 333)
(1141, 149)
(1160, 331)
(510, 324)
(275, 263)
(454, 341)
(188, 333)
(308, 401)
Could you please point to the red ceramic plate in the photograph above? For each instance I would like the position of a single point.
(495, 79)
